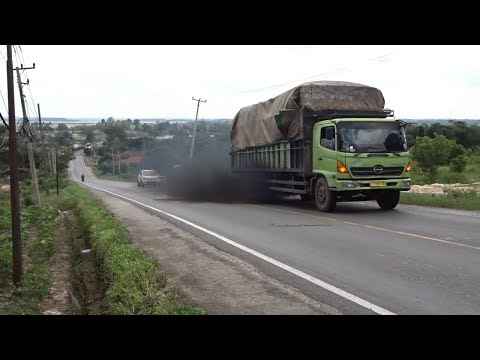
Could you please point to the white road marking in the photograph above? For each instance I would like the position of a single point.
(305, 276)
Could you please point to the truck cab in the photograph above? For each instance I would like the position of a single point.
(360, 159)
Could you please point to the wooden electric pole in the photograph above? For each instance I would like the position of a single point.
(118, 160)
(14, 188)
(26, 126)
(44, 153)
(56, 168)
(195, 126)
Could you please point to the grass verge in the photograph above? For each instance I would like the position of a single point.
(453, 199)
(38, 249)
(134, 283)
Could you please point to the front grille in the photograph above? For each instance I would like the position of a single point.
(368, 171)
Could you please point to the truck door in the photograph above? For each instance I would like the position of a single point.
(324, 151)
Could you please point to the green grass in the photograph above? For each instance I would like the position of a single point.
(454, 199)
(134, 282)
(5, 211)
(35, 281)
(5, 238)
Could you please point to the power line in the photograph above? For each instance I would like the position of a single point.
(31, 96)
(16, 56)
(6, 107)
(29, 116)
(25, 76)
(381, 58)
(1, 93)
(21, 53)
(4, 138)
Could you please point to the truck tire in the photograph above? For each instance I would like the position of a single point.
(307, 197)
(389, 199)
(325, 198)
(138, 184)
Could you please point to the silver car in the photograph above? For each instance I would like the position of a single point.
(149, 177)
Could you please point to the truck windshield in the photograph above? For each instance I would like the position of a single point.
(370, 136)
(150, 173)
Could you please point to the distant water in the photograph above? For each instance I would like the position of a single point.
(95, 120)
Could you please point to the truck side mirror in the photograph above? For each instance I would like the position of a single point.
(421, 131)
(329, 133)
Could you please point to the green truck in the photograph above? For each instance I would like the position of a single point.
(326, 141)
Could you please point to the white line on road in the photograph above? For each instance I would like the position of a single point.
(305, 276)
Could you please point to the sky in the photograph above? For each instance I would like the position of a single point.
(159, 81)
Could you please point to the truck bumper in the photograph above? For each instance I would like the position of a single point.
(373, 184)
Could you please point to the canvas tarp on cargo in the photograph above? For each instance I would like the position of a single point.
(280, 118)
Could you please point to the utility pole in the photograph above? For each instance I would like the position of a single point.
(54, 160)
(26, 126)
(118, 160)
(195, 125)
(44, 153)
(113, 159)
(14, 189)
(144, 153)
(56, 168)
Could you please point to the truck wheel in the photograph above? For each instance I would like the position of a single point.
(307, 197)
(138, 184)
(389, 199)
(325, 198)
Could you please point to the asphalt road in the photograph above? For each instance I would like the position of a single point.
(412, 260)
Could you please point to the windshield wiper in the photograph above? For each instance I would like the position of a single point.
(384, 150)
(375, 148)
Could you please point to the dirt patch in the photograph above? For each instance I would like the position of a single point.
(87, 281)
(441, 188)
(216, 281)
(61, 299)
(76, 285)
(93, 289)
(132, 157)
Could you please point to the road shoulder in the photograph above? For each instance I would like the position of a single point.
(214, 280)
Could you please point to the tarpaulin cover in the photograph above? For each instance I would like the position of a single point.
(280, 118)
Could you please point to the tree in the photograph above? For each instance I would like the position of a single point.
(136, 122)
(90, 136)
(432, 153)
(62, 127)
(113, 131)
(458, 164)
(63, 138)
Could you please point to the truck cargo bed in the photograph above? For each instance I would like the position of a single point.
(284, 156)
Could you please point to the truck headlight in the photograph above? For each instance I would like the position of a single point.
(407, 183)
(350, 185)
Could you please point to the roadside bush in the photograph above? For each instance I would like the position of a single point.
(459, 163)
